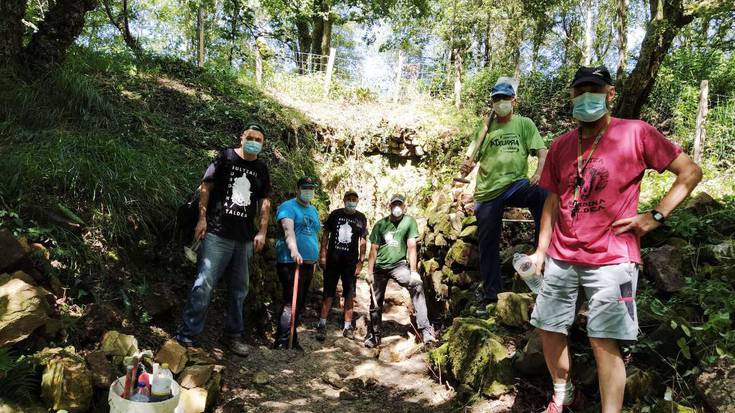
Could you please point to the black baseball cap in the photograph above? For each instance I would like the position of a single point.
(307, 182)
(598, 75)
(350, 193)
(256, 127)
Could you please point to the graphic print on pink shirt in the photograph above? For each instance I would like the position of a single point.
(609, 192)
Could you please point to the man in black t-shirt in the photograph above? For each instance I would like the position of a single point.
(234, 189)
(341, 257)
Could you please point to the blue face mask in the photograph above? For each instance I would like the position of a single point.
(252, 147)
(306, 195)
(589, 107)
(351, 205)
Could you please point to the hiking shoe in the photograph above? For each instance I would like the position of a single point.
(237, 346)
(349, 332)
(428, 336)
(321, 332)
(184, 341)
(372, 341)
(577, 404)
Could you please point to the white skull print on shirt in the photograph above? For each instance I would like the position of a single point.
(241, 191)
(345, 234)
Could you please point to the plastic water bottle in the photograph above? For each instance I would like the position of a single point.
(161, 386)
(140, 396)
(526, 268)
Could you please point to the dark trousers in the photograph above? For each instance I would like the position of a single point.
(520, 194)
(402, 275)
(286, 277)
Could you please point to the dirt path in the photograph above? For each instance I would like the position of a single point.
(339, 374)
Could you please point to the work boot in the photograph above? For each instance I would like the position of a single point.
(349, 332)
(428, 336)
(237, 346)
(372, 341)
(184, 341)
(321, 332)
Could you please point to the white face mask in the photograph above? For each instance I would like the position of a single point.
(397, 211)
(503, 107)
(306, 195)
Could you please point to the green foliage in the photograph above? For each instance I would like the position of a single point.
(18, 381)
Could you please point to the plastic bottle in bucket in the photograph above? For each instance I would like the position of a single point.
(526, 268)
(161, 385)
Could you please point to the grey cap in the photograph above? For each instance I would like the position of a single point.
(397, 197)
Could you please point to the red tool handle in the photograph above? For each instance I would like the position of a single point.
(294, 302)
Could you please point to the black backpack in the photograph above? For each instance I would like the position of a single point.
(187, 217)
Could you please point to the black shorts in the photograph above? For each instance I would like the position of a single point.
(336, 271)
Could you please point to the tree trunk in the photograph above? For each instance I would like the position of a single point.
(326, 42)
(487, 61)
(588, 27)
(63, 23)
(667, 18)
(303, 44)
(122, 24)
(316, 43)
(699, 134)
(622, 11)
(457, 56)
(200, 35)
(11, 31)
(234, 25)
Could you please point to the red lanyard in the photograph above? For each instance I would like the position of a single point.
(579, 180)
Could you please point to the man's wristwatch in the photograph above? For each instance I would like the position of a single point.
(658, 217)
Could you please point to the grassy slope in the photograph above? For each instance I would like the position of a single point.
(121, 144)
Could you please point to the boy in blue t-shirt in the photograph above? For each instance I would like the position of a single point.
(299, 245)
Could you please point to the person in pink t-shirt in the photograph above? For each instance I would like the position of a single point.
(590, 233)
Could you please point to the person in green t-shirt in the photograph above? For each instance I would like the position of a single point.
(393, 240)
(502, 181)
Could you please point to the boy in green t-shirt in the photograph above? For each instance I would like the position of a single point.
(393, 239)
(502, 182)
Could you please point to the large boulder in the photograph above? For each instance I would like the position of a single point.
(117, 344)
(196, 375)
(11, 251)
(723, 253)
(23, 307)
(717, 386)
(513, 309)
(474, 356)
(174, 354)
(100, 369)
(464, 254)
(665, 265)
(66, 382)
(701, 203)
(530, 360)
(638, 384)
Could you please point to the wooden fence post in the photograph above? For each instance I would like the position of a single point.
(330, 69)
(699, 133)
(399, 69)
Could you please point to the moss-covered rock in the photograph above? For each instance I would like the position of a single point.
(66, 382)
(473, 355)
(469, 234)
(464, 254)
(514, 310)
(430, 266)
(470, 220)
(459, 278)
(665, 406)
(459, 299)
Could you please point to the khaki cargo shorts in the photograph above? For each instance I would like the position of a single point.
(610, 291)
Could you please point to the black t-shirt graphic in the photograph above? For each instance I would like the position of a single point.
(239, 185)
(345, 231)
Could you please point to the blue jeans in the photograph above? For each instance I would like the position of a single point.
(216, 255)
(520, 194)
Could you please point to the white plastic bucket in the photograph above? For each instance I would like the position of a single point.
(120, 405)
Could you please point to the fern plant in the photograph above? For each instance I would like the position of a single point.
(18, 381)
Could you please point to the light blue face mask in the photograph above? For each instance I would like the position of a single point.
(306, 195)
(589, 107)
(351, 205)
(252, 147)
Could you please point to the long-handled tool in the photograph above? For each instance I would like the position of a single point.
(294, 302)
(487, 120)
